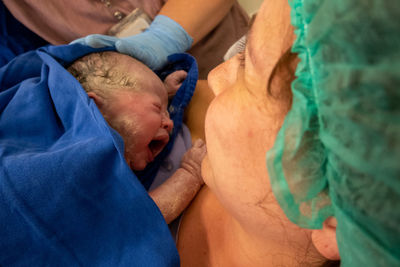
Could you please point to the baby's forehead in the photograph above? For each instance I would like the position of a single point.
(152, 84)
(158, 91)
(145, 78)
(155, 88)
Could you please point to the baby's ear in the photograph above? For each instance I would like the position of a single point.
(324, 239)
(173, 81)
(97, 99)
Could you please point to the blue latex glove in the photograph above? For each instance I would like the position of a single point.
(152, 47)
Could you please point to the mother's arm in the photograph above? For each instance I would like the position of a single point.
(197, 17)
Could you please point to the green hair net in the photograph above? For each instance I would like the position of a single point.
(338, 152)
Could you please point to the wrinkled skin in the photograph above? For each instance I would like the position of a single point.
(169, 196)
(173, 81)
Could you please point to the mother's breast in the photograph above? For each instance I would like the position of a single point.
(203, 233)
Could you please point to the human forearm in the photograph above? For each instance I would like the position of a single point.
(175, 194)
(197, 17)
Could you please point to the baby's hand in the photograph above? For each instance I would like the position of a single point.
(192, 159)
(176, 193)
(174, 81)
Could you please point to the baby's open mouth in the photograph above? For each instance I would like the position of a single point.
(157, 144)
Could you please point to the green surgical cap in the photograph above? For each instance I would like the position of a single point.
(338, 152)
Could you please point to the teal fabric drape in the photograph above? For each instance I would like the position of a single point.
(338, 152)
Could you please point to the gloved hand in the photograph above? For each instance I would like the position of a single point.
(152, 47)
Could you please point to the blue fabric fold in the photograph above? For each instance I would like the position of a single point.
(67, 196)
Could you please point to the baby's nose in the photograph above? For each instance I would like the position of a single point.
(167, 124)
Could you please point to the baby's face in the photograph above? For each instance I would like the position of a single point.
(140, 117)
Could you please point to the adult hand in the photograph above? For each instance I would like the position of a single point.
(152, 47)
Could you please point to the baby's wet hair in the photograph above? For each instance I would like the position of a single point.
(99, 73)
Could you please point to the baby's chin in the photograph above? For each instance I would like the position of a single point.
(138, 165)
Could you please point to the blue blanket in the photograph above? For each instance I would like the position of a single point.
(67, 197)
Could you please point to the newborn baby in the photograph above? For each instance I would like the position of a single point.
(133, 100)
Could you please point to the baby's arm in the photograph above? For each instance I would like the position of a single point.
(175, 194)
